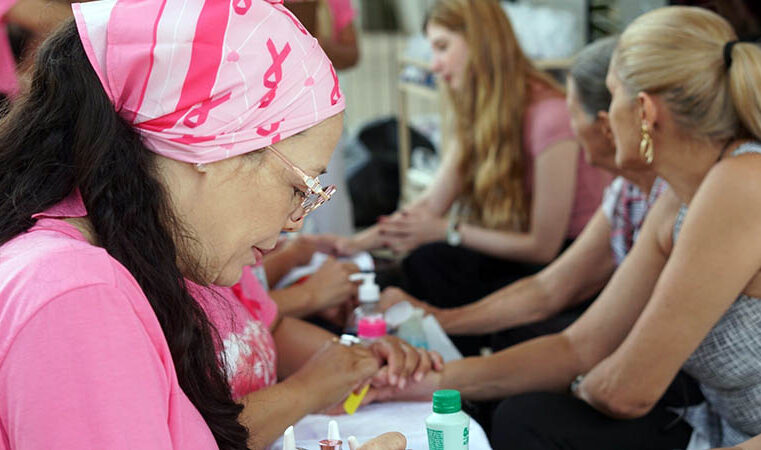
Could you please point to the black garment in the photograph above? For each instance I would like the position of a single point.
(555, 324)
(448, 277)
(550, 421)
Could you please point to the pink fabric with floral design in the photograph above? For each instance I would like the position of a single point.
(208, 80)
(247, 345)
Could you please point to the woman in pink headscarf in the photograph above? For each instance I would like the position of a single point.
(146, 123)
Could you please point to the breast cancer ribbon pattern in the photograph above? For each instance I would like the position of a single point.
(207, 80)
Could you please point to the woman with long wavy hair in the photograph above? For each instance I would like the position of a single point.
(514, 181)
(143, 127)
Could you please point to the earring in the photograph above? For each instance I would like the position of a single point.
(646, 148)
(201, 167)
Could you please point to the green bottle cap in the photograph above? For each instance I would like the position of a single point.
(446, 401)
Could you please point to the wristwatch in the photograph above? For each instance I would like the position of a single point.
(454, 237)
(576, 383)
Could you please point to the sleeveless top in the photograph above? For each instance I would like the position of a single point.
(727, 364)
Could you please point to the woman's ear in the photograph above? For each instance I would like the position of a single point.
(648, 109)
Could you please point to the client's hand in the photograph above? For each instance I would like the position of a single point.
(334, 372)
(406, 231)
(402, 363)
(420, 391)
(330, 285)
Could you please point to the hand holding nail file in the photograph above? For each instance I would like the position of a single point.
(354, 400)
(369, 329)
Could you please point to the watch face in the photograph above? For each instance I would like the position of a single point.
(454, 238)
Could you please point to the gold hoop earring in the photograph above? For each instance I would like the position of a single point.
(646, 147)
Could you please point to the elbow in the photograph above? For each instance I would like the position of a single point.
(624, 405)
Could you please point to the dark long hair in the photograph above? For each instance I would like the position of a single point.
(64, 134)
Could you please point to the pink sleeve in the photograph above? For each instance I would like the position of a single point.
(343, 14)
(546, 123)
(83, 373)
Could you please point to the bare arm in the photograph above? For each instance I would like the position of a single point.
(329, 286)
(551, 362)
(435, 202)
(553, 196)
(296, 341)
(578, 273)
(719, 236)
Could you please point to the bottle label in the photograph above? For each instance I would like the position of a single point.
(448, 439)
(435, 439)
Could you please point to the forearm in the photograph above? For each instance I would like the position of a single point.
(524, 301)
(295, 301)
(548, 363)
(269, 411)
(525, 247)
(296, 341)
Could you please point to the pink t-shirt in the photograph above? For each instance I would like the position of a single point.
(8, 79)
(243, 315)
(547, 122)
(83, 361)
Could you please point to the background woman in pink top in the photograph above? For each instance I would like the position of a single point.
(146, 123)
(514, 187)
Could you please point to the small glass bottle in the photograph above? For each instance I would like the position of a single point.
(368, 296)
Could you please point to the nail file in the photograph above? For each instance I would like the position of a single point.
(354, 400)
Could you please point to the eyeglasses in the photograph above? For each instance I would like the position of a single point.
(315, 195)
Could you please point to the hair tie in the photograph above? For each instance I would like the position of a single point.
(728, 53)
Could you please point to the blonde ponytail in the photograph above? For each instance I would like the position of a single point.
(745, 85)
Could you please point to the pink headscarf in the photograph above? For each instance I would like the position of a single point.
(208, 80)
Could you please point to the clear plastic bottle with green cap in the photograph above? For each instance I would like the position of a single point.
(448, 427)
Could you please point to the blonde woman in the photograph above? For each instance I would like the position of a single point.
(685, 104)
(514, 187)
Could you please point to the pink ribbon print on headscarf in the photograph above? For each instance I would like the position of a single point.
(207, 80)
